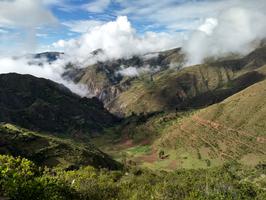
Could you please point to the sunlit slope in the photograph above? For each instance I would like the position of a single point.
(105, 81)
(191, 87)
(233, 129)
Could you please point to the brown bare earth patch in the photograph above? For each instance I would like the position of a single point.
(150, 158)
(173, 165)
(127, 144)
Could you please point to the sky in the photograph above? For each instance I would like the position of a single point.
(28, 26)
(36, 25)
(122, 29)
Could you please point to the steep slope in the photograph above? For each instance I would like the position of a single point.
(47, 150)
(232, 129)
(105, 81)
(40, 104)
(191, 87)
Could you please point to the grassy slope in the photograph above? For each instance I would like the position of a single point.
(196, 86)
(51, 151)
(167, 89)
(231, 130)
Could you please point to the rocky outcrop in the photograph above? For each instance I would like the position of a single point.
(104, 81)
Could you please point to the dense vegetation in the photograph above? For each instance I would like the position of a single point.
(21, 179)
(52, 151)
(40, 104)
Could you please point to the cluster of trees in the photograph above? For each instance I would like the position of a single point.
(22, 179)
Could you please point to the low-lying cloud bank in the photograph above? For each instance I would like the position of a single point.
(136, 71)
(40, 68)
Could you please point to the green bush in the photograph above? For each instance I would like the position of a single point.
(21, 179)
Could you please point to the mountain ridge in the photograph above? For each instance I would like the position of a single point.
(40, 104)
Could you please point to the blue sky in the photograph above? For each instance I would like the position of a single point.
(90, 10)
(71, 18)
(34, 25)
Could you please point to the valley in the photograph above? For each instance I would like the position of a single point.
(132, 100)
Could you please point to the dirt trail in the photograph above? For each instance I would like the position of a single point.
(218, 127)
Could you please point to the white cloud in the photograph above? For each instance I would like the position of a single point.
(130, 71)
(208, 26)
(24, 17)
(178, 14)
(97, 6)
(232, 31)
(60, 44)
(53, 2)
(82, 26)
(136, 71)
(117, 39)
(173, 14)
(24, 13)
(52, 71)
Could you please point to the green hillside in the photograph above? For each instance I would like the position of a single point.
(47, 150)
(179, 123)
(191, 87)
(231, 130)
(40, 104)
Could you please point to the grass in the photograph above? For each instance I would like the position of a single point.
(48, 150)
(194, 86)
(139, 150)
(146, 155)
(199, 138)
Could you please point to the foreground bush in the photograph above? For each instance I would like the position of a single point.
(21, 179)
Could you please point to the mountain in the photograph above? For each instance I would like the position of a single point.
(47, 150)
(232, 130)
(168, 87)
(190, 87)
(105, 80)
(170, 113)
(196, 117)
(49, 56)
(40, 104)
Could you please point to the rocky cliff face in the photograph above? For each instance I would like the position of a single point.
(106, 81)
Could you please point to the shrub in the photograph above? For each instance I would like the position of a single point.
(21, 179)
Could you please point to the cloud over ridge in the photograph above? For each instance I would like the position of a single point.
(116, 39)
